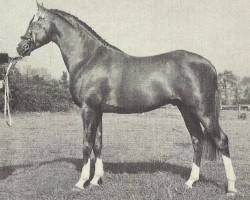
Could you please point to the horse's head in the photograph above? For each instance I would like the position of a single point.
(39, 32)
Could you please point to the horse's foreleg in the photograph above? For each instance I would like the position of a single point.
(90, 119)
(97, 149)
(194, 128)
(195, 172)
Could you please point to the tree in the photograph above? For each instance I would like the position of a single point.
(64, 80)
(28, 71)
(30, 92)
(245, 87)
(229, 88)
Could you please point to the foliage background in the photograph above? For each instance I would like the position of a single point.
(34, 90)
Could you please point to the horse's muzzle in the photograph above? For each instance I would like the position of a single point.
(18, 49)
(23, 50)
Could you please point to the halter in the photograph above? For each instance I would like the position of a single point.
(30, 38)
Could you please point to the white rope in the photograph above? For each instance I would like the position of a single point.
(7, 102)
(7, 92)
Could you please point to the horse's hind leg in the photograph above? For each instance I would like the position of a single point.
(97, 149)
(227, 161)
(194, 128)
(220, 139)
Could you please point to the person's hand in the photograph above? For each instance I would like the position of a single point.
(1, 84)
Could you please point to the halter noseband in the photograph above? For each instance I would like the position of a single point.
(31, 30)
(26, 38)
(29, 38)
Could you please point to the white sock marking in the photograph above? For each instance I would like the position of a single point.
(84, 175)
(194, 176)
(99, 167)
(229, 173)
(98, 171)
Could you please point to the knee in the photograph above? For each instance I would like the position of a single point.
(86, 151)
(97, 150)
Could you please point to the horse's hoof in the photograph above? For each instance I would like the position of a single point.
(188, 186)
(96, 183)
(231, 193)
(77, 189)
(100, 181)
(93, 185)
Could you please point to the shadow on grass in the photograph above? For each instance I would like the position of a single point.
(117, 168)
(8, 170)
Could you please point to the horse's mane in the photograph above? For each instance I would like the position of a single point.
(78, 23)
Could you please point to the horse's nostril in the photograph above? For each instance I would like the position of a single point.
(26, 47)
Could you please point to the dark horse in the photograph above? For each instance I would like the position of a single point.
(104, 79)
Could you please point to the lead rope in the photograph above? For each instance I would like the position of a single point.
(7, 92)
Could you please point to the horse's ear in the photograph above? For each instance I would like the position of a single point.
(40, 7)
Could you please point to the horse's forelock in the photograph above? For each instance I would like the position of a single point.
(39, 14)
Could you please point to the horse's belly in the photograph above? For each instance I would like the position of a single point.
(137, 100)
(128, 110)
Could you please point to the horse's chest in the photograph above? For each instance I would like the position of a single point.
(90, 92)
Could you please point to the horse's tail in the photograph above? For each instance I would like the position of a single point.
(210, 150)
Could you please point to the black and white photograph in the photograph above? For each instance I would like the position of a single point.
(122, 99)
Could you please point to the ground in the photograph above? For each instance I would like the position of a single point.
(145, 157)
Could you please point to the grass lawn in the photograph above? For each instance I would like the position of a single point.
(145, 157)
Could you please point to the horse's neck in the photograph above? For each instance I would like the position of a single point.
(76, 47)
